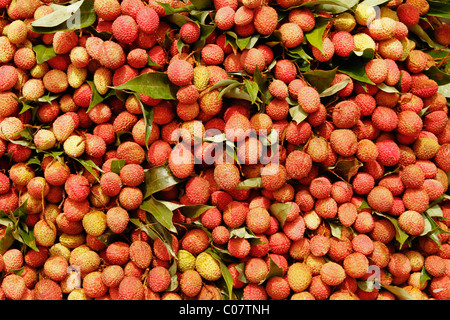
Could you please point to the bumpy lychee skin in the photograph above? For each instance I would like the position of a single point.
(345, 114)
(344, 142)
(131, 288)
(291, 34)
(208, 267)
(180, 72)
(64, 41)
(265, 19)
(254, 58)
(225, 18)
(14, 287)
(111, 55)
(327, 51)
(441, 34)
(332, 273)
(364, 14)
(408, 14)
(227, 176)
(308, 99)
(411, 222)
(181, 161)
(47, 289)
(380, 198)
(298, 164)
(212, 55)
(299, 276)
(63, 127)
(198, 190)
(376, 70)
(303, 17)
(132, 174)
(343, 43)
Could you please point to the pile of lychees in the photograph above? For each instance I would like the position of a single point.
(224, 149)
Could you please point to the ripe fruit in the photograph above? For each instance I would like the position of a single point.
(226, 176)
(251, 162)
(190, 283)
(332, 273)
(265, 19)
(180, 72)
(308, 99)
(327, 51)
(411, 222)
(158, 279)
(291, 34)
(131, 288)
(14, 287)
(380, 198)
(376, 70)
(299, 276)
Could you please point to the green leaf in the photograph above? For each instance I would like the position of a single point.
(178, 19)
(315, 37)
(43, 53)
(384, 87)
(97, 97)
(366, 54)
(219, 138)
(90, 166)
(439, 9)
(250, 184)
(173, 276)
(59, 15)
(400, 235)
(334, 88)
(336, 229)
(117, 165)
(418, 31)
(223, 83)
(159, 178)
(203, 4)
(245, 233)
(154, 84)
(274, 269)
(280, 211)
(234, 92)
(320, 79)
(347, 168)
(424, 276)
(364, 205)
(444, 90)
(82, 18)
(6, 240)
(400, 293)
(252, 89)
(190, 211)
(147, 112)
(170, 10)
(373, 3)
(27, 237)
(297, 114)
(205, 31)
(354, 68)
(437, 75)
(333, 6)
(151, 63)
(155, 230)
(160, 211)
(16, 229)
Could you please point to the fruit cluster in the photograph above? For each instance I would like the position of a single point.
(224, 149)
